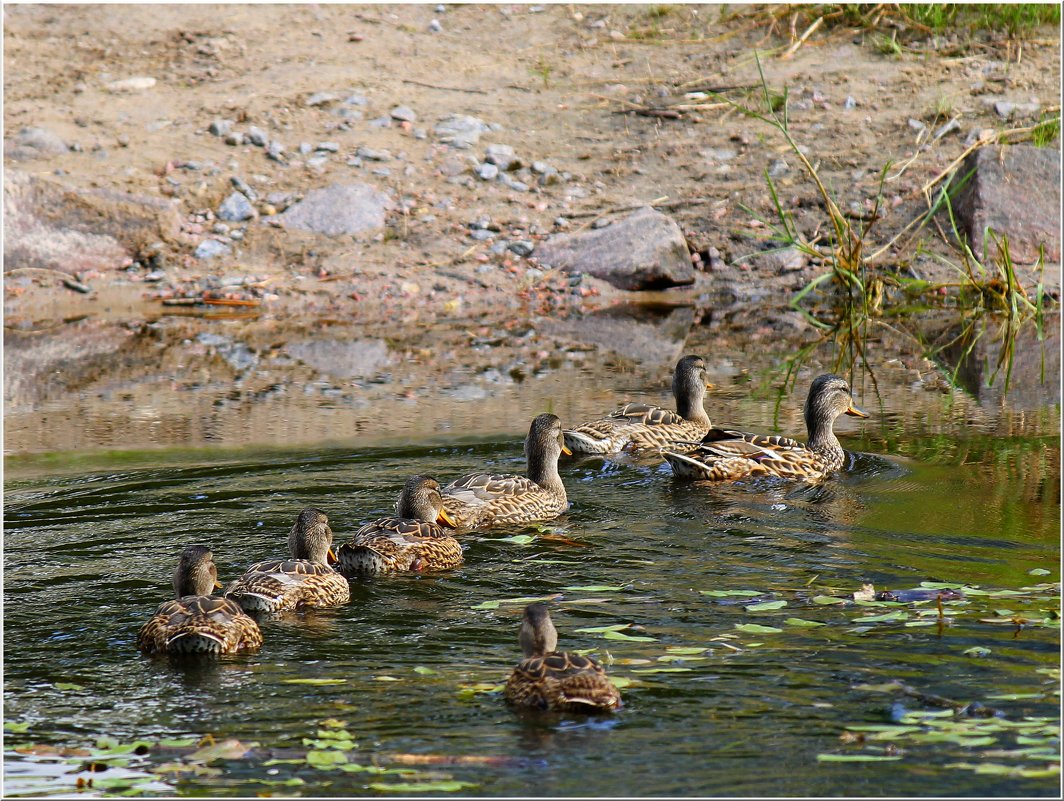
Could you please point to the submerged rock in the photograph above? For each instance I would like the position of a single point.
(645, 250)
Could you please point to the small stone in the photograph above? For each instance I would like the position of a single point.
(948, 128)
(541, 167)
(327, 147)
(220, 228)
(382, 172)
(517, 186)
(275, 151)
(136, 84)
(381, 122)
(502, 156)
(561, 222)
(601, 222)
(354, 162)
(849, 103)
(356, 100)
(421, 133)
(778, 167)
(210, 248)
(321, 99)
(257, 136)
(403, 114)
(460, 131)
(155, 276)
(240, 185)
(34, 143)
(482, 234)
(235, 139)
(236, 208)
(916, 125)
(435, 26)
(236, 236)
(522, 247)
(221, 127)
(305, 148)
(373, 155)
(487, 172)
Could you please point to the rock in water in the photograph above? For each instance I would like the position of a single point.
(338, 209)
(645, 250)
(1015, 191)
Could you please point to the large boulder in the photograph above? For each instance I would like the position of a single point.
(645, 250)
(1015, 191)
(338, 210)
(50, 226)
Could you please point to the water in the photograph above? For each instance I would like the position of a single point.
(942, 489)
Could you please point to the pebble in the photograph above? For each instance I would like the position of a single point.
(317, 163)
(236, 235)
(220, 228)
(257, 136)
(403, 114)
(487, 172)
(356, 100)
(240, 185)
(421, 133)
(778, 167)
(354, 162)
(209, 248)
(155, 276)
(136, 84)
(275, 151)
(550, 178)
(235, 139)
(501, 156)
(522, 247)
(435, 26)
(849, 103)
(381, 122)
(601, 222)
(541, 167)
(561, 222)
(373, 155)
(460, 131)
(517, 186)
(482, 234)
(916, 125)
(221, 127)
(305, 148)
(327, 147)
(948, 128)
(321, 99)
(383, 172)
(441, 8)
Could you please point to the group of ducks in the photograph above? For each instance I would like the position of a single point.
(195, 622)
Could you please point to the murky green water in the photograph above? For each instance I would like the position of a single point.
(88, 556)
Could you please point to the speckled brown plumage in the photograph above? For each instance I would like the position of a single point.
(547, 679)
(410, 542)
(194, 622)
(729, 455)
(637, 426)
(304, 581)
(482, 499)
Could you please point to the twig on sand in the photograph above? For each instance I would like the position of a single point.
(790, 51)
(445, 88)
(658, 203)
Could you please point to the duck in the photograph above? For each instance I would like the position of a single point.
(724, 455)
(305, 581)
(195, 622)
(638, 426)
(410, 541)
(483, 499)
(549, 680)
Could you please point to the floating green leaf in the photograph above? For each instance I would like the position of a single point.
(523, 600)
(727, 593)
(855, 758)
(941, 585)
(518, 539)
(17, 728)
(1038, 571)
(424, 671)
(681, 658)
(765, 606)
(977, 650)
(682, 650)
(896, 615)
(600, 629)
(416, 788)
(594, 588)
(612, 634)
(65, 685)
(314, 681)
(824, 600)
(755, 628)
(325, 760)
(662, 670)
(797, 621)
(1016, 696)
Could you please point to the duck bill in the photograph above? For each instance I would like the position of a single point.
(856, 411)
(217, 585)
(445, 518)
(330, 557)
(565, 450)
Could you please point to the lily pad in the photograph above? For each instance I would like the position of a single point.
(418, 788)
(620, 635)
(728, 593)
(765, 606)
(755, 628)
(325, 760)
(518, 539)
(824, 600)
(314, 681)
(856, 758)
(682, 650)
(1038, 571)
(888, 616)
(797, 621)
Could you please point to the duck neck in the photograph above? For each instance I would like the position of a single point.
(822, 437)
(689, 394)
(543, 469)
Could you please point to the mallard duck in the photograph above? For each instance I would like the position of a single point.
(728, 455)
(640, 425)
(560, 682)
(482, 499)
(304, 581)
(410, 541)
(194, 622)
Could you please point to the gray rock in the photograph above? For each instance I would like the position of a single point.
(321, 99)
(257, 136)
(1014, 191)
(502, 156)
(337, 210)
(948, 128)
(849, 103)
(777, 262)
(645, 250)
(460, 130)
(435, 26)
(601, 222)
(354, 162)
(522, 247)
(421, 133)
(327, 147)
(381, 122)
(221, 127)
(155, 276)
(482, 234)
(275, 151)
(541, 167)
(373, 155)
(305, 148)
(236, 208)
(235, 139)
(361, 358)
(403, 114)
(487, 172)
(517, 186)
(719, 154)
(34, 143)
(210, 248)
(383, 172)
(778, 168)
(1007, 109)
(240, 185)
(356, 100)
(916, 125)
(220, 228)
(236, 354)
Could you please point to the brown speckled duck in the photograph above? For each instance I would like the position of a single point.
(411, 541)
(481, 499)
(639, 425)
(729, 455)
(194, 622)
(304, 581)
(560, 682)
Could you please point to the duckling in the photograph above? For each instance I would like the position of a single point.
(194, 622)
(411, 541)
(304, 581)
(481, 499)
(729, 455)
(640, 425)
(560, 682)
